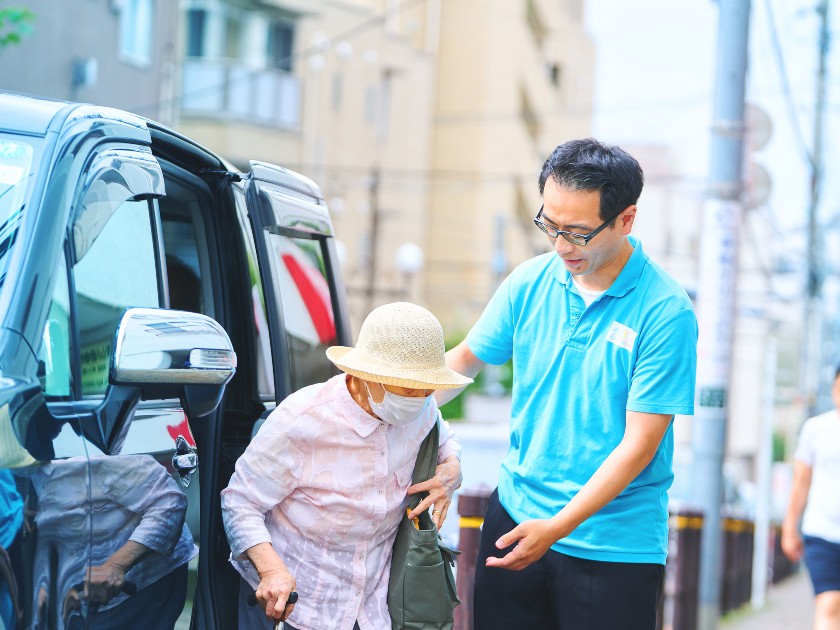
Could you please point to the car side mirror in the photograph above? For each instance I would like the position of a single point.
(174, 354)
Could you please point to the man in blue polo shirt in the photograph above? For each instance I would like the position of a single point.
(603, 343)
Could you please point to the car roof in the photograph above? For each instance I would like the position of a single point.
(27, 113)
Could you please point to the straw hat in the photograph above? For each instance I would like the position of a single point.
(399, 344)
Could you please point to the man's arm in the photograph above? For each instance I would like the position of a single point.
(635, 451)
(462, 360)
(791, 539)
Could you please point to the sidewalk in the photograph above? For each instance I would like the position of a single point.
(789, 606)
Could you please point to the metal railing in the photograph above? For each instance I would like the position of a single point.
(228, 89)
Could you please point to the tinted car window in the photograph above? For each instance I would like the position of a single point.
(307, 306)
(116, 271)
(55, 352)
(262, 342)
(17, 160)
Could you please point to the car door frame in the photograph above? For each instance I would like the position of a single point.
(306, 196)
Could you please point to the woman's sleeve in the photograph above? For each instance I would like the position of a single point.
(265, 474)
(448, 443)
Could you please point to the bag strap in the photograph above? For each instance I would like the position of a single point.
(424, 467)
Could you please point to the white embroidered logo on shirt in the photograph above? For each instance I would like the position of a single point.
(622, 336)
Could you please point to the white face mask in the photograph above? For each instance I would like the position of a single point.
(399, 410)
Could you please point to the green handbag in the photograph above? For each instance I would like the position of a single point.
(421, 589)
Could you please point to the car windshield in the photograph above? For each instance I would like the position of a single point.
(17, 170)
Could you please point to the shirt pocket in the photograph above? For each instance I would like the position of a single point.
(402, 477)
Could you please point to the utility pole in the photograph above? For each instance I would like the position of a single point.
(373, 243)
(813, 320)
(764, 465)
(722, 213)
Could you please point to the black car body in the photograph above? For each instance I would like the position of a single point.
(114, 232)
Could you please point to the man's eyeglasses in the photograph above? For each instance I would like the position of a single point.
(573, 237)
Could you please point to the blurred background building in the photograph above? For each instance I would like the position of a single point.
(513, 81)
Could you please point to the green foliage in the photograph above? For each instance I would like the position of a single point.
(454, 409)
(15, 23)
(779, 447)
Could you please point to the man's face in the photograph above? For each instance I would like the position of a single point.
(597, 263)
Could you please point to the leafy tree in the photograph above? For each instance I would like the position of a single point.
(15, 22)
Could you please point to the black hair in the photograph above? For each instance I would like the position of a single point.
(590, 165)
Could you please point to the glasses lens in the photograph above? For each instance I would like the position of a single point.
(574, 239)
(547, 230)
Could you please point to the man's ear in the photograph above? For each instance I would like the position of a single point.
(628, 216)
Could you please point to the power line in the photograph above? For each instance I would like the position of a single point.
(786, 91)
(394, 176)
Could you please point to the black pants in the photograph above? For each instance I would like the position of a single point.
(560, 592)
(288, 627)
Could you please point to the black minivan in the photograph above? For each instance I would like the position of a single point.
(155, 304)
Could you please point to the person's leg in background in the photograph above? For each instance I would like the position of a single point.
(827, 611)
(822, 558)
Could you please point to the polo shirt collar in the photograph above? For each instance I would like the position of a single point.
(627, 279)
(632, 271)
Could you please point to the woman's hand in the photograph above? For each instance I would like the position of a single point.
(276, 581)
(441, 487)
(273, 593)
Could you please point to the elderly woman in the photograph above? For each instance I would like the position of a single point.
(315, 501)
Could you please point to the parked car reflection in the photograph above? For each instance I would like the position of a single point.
(111, 543)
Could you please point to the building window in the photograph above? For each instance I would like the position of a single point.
(238, 63)
(136, 31)
(196, 27)
(279, 45)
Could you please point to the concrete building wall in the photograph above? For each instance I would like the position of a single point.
(365, 93)
(68, 37)
(512, 84)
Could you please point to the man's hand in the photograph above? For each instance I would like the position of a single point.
(441, 487)
(791, 541)
(534, 538)
(273, 593)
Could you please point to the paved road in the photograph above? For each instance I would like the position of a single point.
(789, 606)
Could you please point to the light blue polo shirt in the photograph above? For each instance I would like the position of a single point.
(577, 371)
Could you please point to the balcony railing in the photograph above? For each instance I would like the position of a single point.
(227, 89)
